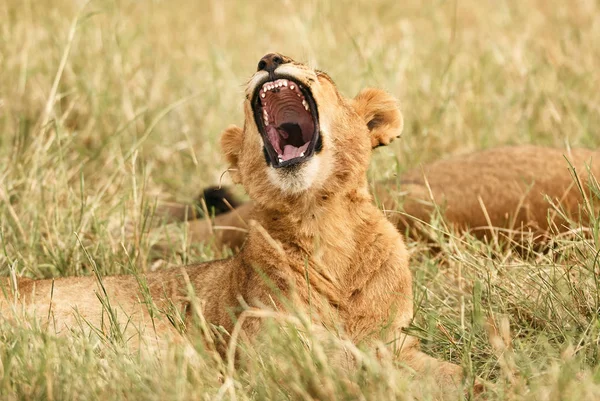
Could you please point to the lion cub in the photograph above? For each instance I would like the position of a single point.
(317, 237)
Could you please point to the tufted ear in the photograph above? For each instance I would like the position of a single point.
(231, 144)
(381, 113)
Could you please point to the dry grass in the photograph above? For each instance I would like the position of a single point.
(107, 106)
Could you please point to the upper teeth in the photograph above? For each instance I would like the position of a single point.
(305, 105)
(281, 83)
(269, 86)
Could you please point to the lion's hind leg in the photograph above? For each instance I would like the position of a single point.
(446, 379)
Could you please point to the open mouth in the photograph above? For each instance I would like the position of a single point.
(286, 116)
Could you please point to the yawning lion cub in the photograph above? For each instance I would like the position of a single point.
(318, 238)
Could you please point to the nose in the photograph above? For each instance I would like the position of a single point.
(270, 62)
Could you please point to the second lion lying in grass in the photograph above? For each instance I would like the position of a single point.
(318, 239)
(522, 193)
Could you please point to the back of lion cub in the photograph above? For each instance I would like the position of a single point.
(521, 192)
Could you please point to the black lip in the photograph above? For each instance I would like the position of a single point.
(270, 153)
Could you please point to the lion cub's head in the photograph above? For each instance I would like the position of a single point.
(301, 137)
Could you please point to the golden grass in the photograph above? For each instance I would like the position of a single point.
(107, 105)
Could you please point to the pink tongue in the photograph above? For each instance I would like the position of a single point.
(290, 151)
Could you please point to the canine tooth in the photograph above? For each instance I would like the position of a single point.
(262, 95)
(292, 86)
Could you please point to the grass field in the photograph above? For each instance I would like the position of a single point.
(107, 106)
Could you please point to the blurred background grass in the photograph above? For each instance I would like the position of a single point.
(108, 105)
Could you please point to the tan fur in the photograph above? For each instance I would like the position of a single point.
(515, 190)
(321, 228)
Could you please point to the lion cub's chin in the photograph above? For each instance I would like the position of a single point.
(301, 177)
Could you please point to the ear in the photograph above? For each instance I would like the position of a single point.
(231, 144)
(381, 113)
